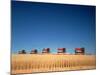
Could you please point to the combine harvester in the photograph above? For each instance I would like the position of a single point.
(34, 62)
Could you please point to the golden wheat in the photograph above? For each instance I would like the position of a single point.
(32, 63)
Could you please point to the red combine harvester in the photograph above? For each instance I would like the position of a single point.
(79, 51)
(34, 51)
(22, 52)
(61, 50)
(46, 50)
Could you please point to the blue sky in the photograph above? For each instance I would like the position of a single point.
(45, 25)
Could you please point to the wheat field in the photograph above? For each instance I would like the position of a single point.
(34, 63)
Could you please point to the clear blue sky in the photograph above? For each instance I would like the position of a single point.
(42, 25)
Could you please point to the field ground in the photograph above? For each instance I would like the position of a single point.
(34, 63)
